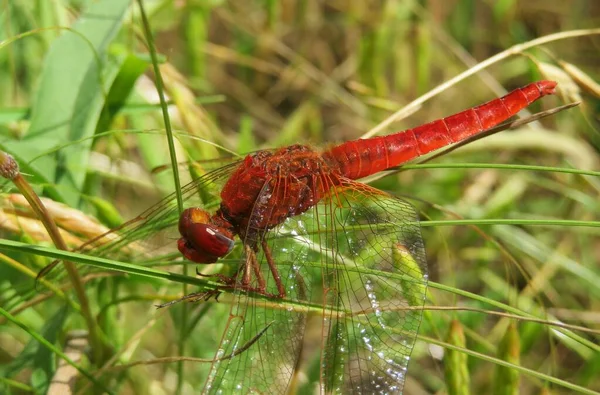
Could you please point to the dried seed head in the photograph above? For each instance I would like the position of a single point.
(582, 79)
(20, 224)
(66, 217)
(8, 166)
(568, 88)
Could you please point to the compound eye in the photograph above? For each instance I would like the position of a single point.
(190, 216)
(209, 239)
(201, 241)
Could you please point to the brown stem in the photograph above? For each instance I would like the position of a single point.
(10, 169)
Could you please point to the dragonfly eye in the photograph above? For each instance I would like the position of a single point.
(190, 216)
(202, 242)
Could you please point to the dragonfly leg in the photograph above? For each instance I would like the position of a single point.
(252, 261)
(220, 277)
(250, 267)
(273, 268)
(204, 296)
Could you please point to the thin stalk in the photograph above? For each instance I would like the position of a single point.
(516, 221)
(104, 263)
(514, 50)
(499, 362)
(10, 170)
(52, 348)
(175, 167)
(28, 272)
(501, 166)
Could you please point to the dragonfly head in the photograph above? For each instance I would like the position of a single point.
(202, 241)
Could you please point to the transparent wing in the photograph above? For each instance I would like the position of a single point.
(356, 263)
(269, 364)
(375, 271)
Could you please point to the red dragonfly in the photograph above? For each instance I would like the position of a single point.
(316, 242)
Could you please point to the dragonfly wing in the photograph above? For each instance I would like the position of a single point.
(266, 338)
(356, 263)
(375, 277)
(267, 361)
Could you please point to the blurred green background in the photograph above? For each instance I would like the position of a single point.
(79, 110)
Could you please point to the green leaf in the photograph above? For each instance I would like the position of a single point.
(132, 67)
(70, 97)
(38, 357)
(105, 211)
(43, 342)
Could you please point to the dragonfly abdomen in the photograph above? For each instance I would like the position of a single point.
(361, 158)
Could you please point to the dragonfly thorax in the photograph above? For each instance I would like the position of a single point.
(270, 186)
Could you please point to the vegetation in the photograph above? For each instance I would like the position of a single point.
(511, 223)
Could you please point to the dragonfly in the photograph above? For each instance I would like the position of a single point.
(310, 244)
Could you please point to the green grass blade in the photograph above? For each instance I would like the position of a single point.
(71, 95)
